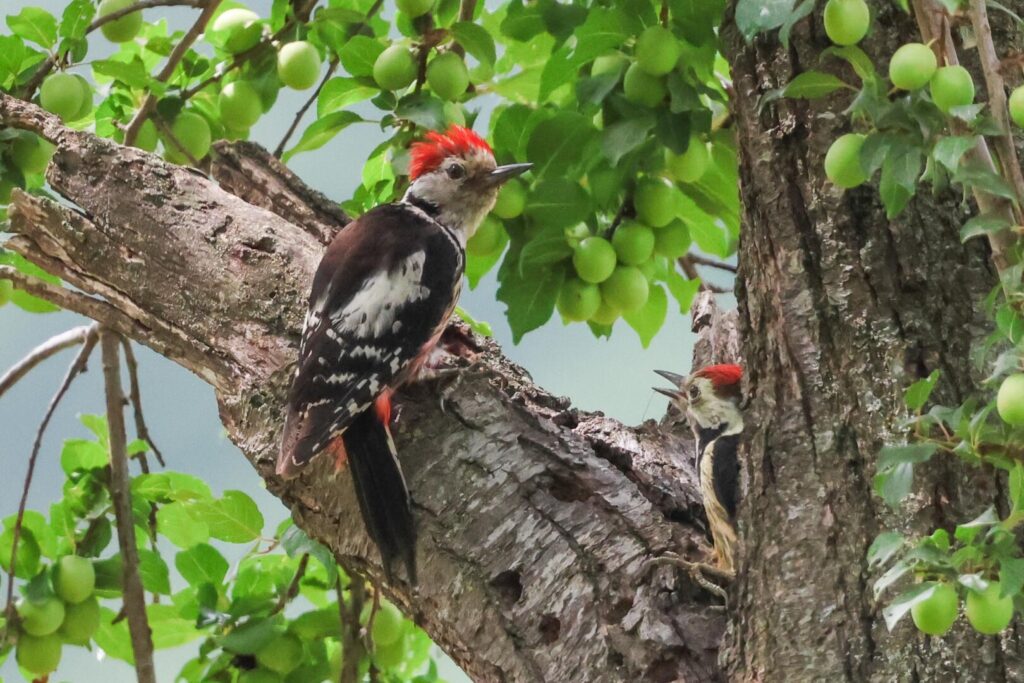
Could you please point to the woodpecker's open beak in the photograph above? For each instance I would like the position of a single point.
(506, 172)
(677, 381)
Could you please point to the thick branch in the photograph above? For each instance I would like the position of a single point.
(50, 347)
(545, 517)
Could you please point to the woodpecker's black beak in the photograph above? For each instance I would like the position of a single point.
(506, 172)
(677, 381)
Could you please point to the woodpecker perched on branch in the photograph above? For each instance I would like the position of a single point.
(380, 300)
(710, 398)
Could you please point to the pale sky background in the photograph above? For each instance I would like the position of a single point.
(613, 375)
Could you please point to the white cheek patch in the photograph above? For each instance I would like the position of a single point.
(371, 312)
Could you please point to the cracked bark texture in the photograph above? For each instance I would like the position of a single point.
(840, 310)
(538, 523)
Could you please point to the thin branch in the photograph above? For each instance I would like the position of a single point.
(240, 59)
(50, 347)
(305, 107)
(293, 587)
(77, 367)
(120, 494)
(46, 66)
(712, 263)
(140, 421)
(351, 644)
(933, 23)
(996, 96)
(132, 131)
(686, 264)
(170, 137)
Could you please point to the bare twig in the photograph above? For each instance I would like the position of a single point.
(77, 367)
(467, 8)
(712, 263)
(140, 421)
(305, 107)
(48, 348)
(996, 97)
(351, 644)
(120, 494)
(132, 131)
(293, 587)
(687, 264)
(46, 66)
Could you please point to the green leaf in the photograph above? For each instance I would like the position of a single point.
(558, 202)
(557, 144)
(321, 131)
(894, 484)
(234, 518)
(899, 180)
(882, 549)
(175, 523)
(966, 532)
(1017, 487)
(862, 65)
(812, 85)
(201, 564)
(802, 10)
(251, 636)
(76, 18)
(948, 151)
(170, 629)
(756, 16)
(153, 572)
(12, 54)
(27, 560)
(905, 601)
(983, 225)
(359, 54)
(481, 327)
(530, 300)
(35, 25)
(511, 131)
(621, 138)
(985, 180)
(295, 541)
(339, 93)
(894, 574)
(603, 30)
(113, 638)
(914, 453)
(547, 247)
(711, 238)
(133, 73)
(1011, 575)
(423, 109)
(82, 454)
(917, 393)
(649, 318)
(683, 290)
(476, 40)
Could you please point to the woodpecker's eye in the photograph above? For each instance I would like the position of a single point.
(694, 393)
(456, 171)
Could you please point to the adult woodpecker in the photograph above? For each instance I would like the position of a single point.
(710, 399)
(380, 300)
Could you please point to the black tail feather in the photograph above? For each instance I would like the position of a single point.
(383, 496)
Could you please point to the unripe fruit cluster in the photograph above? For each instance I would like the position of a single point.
(613, 276)
(655, 55)
(71, 615)
(987, 611)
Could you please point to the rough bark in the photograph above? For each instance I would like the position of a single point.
(538, 523)
(840, 310)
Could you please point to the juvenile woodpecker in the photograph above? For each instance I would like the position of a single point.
(380, 300)
(710, 398)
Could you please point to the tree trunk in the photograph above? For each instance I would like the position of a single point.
(840, 310)
(540, 525)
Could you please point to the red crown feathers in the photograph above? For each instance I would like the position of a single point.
(721, 375)
(428, 154)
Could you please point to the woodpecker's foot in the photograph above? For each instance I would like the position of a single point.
(699, 572)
